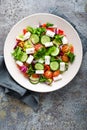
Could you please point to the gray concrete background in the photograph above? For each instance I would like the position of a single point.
(65, 109)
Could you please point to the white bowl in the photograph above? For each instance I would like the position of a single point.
(33, 20)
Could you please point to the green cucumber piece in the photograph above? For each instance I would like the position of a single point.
(34, 38)
(34, 82)
(55, 52)
(23, 57)
(39, 66)
(54, 65)
(45, 39)
(41, 60)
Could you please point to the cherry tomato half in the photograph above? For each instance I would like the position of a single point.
(48, 74)
(38, 46)
(56, 73)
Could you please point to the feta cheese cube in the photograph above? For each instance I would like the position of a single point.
(47, 60)
(30, 50)
(59, 77)
(62, 66)
(39, 72)
(19, 63)
(48, 44)
(50, 33)
(27, 35)
(30, 59)
(64, 40)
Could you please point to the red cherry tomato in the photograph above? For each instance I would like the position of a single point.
(56, 73)
(35, 75)
(26, 75)
(72, 49)
(51, 29)
(48, 74)
(24, 31)
(46, 67)
(43, 25)
(61, 32)
(38, 46)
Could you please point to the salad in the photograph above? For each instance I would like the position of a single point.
(43, 53)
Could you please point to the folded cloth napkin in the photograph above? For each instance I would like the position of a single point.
(12, 88)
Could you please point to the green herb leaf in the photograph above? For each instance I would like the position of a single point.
(50, 50)
(71, 56)
(37, 31)
(49, 24)
(55, 59)
(30, 70)
(43, 79)
(17, 53)
(52, 58)
(40, 53)
(34, 30)
(58, 39)
(30, 29)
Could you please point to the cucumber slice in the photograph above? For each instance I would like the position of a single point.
(54, 65)
(55, 52)
(39, 66)
(41, 60)
(23, 57)
(33, 80)
(34, 38)
(45, 39)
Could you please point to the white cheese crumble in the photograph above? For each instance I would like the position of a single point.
(47, 60)
(19, 63)
(30, 50)
(50, 33)
(64, 40)
(48, 44)
(59, 77)
(62, 66)
(39, 71)
(30, 59)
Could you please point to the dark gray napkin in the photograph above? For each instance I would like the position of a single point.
(12, 88)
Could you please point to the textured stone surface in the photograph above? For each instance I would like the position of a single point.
(65, 109)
